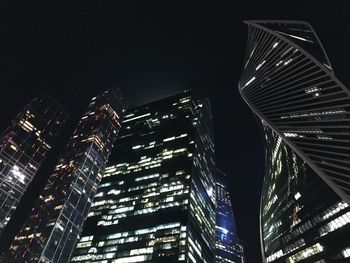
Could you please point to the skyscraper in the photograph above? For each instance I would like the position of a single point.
(227, 244)
(289, 83)
(156, 199)
(51, 231)
(23, 147)
(302, 218)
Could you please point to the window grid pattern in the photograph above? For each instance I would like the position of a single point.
(301, 215)
(228, 246)
(148, 208)
(51, 231)
(23, 148)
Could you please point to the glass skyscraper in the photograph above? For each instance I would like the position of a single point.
(23, 147)
(156, 200)
(56, 220)
(302, 218)
(228, 247)
(289, 83)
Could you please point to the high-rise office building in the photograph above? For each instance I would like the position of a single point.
(156, 199)
(23, 147)
(228, 247)
(302, 218)
(289, 83)
(56, 220)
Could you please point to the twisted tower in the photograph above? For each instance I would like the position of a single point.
(289, 83)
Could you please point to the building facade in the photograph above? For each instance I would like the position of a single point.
(56, 220)
(289, 83)
(156, 199)
(23, 147)
(302, 218)
(228, 247)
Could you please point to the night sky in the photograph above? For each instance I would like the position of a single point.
(152, 50)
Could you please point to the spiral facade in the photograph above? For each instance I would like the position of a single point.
(289, 83)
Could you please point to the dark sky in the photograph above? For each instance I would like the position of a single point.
(152, 49)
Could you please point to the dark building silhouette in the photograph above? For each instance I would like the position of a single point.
(23, 148)
(56, 220)
(289, 83)
(228, 247)
(156, 199)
